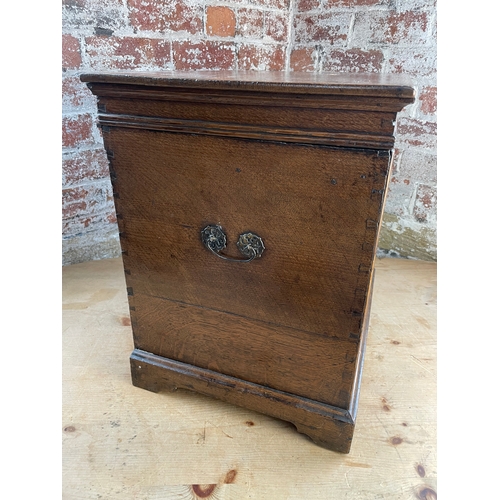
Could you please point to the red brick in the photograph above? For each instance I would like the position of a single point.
(305, 5)
(414, 61)
(71, 57)
(127, 52)
(330, 27)
(76, 95)
(72, 205)
(204, 55)
(87, 200)
(221, 21)
(77, 130)
(388, 27)
(261, 57)
(250, 23)
(74, 201)
(85, 223)
(273, 4)
(417, 132)
(87, 165)
(302, 59)
(428, 100)
(277, 26)
(425, 206)
(353, 60)
(405, 26)
(162, 15)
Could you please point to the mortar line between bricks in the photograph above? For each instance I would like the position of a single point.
(171, 52)
(78, 111)
(265, 40)
(204, 21)
(112, 231)
(291, 33)
(92, 183)
(72, 73)
(100, 180)
(70, 114)
(238, 6)
(76, 217)
(69, 150)
(350, 31)
(345, 10)
(84, 148)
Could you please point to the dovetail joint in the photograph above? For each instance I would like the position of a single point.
(362, 268)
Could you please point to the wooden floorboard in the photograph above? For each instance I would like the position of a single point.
(121, 442)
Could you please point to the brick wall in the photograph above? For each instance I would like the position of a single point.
(385, 36)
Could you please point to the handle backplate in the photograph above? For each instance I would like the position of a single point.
(249, 244)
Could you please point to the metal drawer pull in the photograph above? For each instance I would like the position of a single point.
(249, 244)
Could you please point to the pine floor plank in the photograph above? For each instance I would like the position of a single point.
(121, 442)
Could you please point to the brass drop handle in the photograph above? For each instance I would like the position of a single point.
(249, 244)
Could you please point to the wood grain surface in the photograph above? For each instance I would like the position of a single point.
(120, 441)
(359, 84)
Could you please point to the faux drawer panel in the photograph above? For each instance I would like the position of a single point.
(304, 119)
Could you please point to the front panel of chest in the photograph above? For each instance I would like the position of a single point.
(290, 319)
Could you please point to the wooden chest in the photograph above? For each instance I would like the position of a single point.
(249, 206)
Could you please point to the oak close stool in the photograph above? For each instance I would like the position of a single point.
(249, 206)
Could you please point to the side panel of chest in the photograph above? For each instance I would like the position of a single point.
(297, 310)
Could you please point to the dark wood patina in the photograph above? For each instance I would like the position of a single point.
(299, 160)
